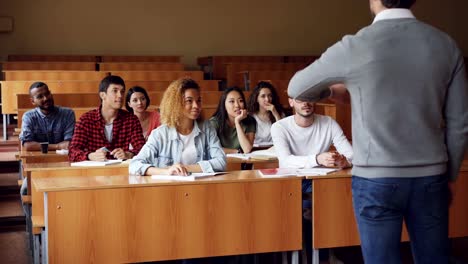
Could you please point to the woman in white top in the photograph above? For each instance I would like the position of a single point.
(183, 143)
(265, 107)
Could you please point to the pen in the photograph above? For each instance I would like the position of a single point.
(105, 149)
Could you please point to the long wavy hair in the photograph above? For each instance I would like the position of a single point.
(221, 113)
(171, 107)
(253, 107)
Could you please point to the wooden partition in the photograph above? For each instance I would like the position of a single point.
(158, 75)
(205, 85)
(233, 77)
(54, 75)
(141, 66)
(11, 88)
(51, 57)
(48, 66)
(216, 64)
(118, 58)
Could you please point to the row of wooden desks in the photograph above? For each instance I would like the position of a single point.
(333, 219)
(115, 219)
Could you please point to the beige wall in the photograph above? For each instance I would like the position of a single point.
(200, 27)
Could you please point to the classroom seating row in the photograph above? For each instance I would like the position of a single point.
(92, 58)
(215, 66)
(198, 210)
(91, 66)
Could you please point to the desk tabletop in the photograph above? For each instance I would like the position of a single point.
(125, 181)
(64, 165)
(26, 154)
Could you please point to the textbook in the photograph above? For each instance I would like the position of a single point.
(282, 172)
(92, 163)
(193, 176)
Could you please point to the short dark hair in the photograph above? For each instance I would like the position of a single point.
(37, 85)
(108, 80)
(398, 3)
(136, 89)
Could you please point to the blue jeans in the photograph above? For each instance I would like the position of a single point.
(380, 205)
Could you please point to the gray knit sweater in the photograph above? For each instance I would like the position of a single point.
(409, 97)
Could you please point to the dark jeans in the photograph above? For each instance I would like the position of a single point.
(381, 204)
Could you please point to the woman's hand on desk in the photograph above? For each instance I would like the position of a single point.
(178, 169)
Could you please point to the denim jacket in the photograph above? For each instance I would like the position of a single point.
(164, 148)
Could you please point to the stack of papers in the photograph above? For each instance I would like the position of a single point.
(282, 172)
(193, 176)
(91, 163)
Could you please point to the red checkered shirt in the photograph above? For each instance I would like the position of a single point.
(89, 134)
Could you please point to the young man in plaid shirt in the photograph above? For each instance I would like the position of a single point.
(107, 132)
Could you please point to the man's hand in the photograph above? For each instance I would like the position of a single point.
(341, 161)
(326, 159)
(119, 153)
(98, 155)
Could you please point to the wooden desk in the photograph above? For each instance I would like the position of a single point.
(236, 164)
(333, 222)
(237, 213)
(60, 170)
(39, 157)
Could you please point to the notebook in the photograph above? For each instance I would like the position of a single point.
(283, 172)
(92, 163)
(193, 176)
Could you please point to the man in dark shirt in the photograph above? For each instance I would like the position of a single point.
(46, 122)
(107, 132)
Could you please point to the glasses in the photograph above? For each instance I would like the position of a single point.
(303, 101)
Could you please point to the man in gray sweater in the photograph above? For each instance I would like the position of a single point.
(409, 99)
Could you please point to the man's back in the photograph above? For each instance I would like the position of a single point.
(405, 79)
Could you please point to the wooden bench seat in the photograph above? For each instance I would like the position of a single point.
(141, 66)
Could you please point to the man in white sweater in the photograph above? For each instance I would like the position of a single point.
(303, 140)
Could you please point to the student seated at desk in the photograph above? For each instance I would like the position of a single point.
(303, 140)
(45, 123)
(183, 143)
(265, 107)
(235, 128)
(107, 131)
(137, 102)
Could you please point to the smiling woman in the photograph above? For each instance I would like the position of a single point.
(183, 143)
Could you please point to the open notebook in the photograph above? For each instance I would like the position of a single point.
(193, 176)
(91, 163)
(282, 172)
